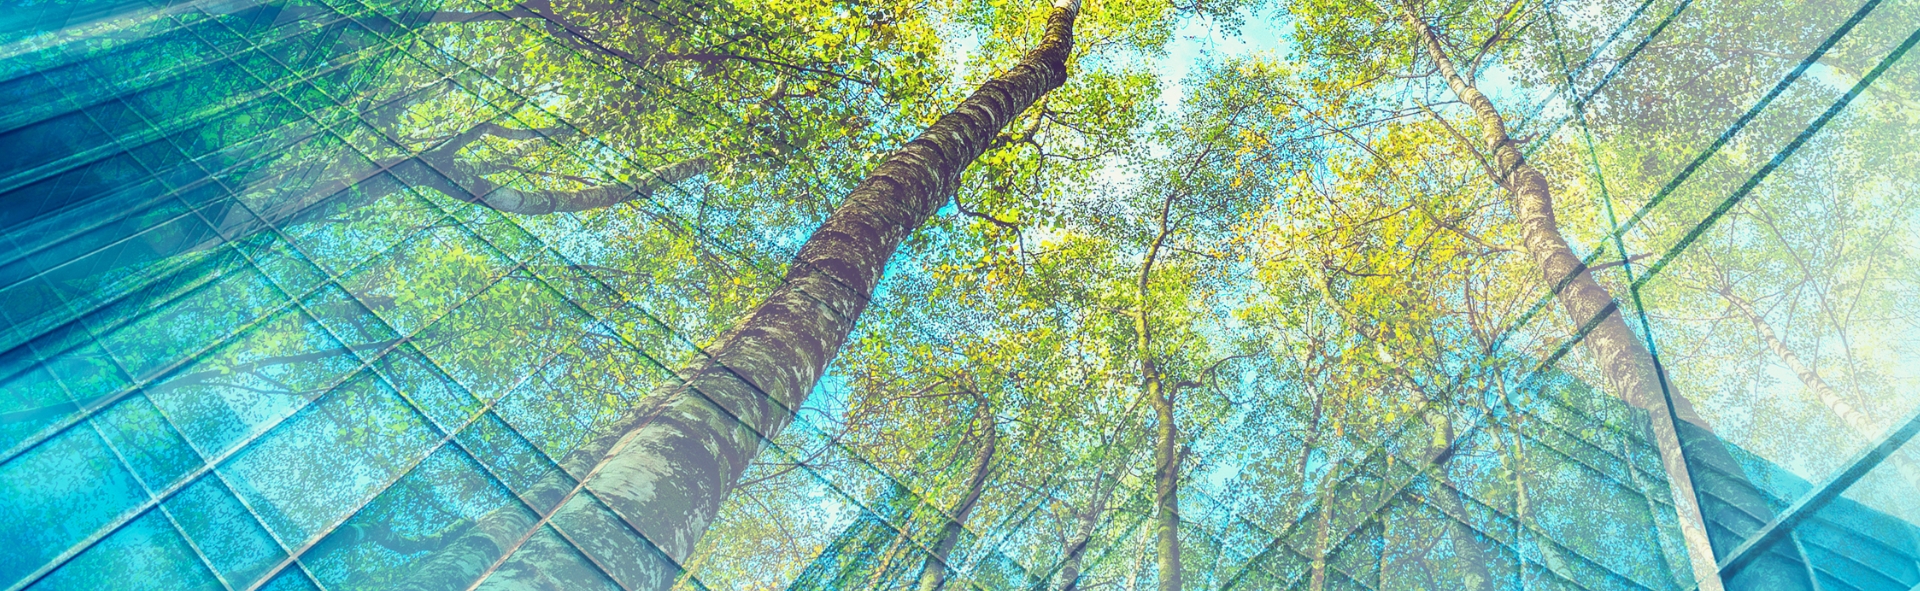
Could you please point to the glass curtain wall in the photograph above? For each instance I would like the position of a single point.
(344, 294)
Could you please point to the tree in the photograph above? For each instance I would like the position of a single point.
(933, 572)
(1278, 333)
(667, 473)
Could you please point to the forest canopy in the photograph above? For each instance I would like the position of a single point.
(985, 294)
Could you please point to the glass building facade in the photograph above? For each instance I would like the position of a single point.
(269, 325)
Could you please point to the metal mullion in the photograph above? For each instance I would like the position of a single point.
(136, 383)
(80, 315)
(178, 124)
(1811, 503)
(365, 365)
(487, 406)
(1200, 432)
(447, 435)
(1746, 551)
(1544, 301)
(1813, 572)
(1523, 525)
(696, 347)
(297, 77)
(244, 329)
(453, 437)
(323, 128)
(1730, 131)
(1633, 220)
(581, 482)
(1595, 470)
(1624, 461)
(94, 30)
(212, 466)
(580, 486)
(1105, 447)
(210, 463)
(1419, 470)
(1279, 539)
(212, 178)
(665, 212)
(1636, 488)
(1855, 536)
(147, 80)
(368, 366)
(491, 473)
(171, 520)
(120, 457)
(383, 44)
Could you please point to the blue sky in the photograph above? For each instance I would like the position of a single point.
(1199, 40)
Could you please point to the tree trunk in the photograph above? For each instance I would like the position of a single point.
(933, 573)
(667, 469)
(1858, 423)
(1166, 481)
(1727, 507)
(1089, 523)
(1322, 530)
(1471, 553)
(1166, 455)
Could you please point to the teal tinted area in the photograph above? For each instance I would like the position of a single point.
(282, 307)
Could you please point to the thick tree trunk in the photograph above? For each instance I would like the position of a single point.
(1858, 423)
(933, 573)
(1728, 507)
(664, 474)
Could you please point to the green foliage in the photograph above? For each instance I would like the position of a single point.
(1307, 251)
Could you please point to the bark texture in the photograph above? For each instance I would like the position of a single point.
(1166, 481)
(663, 475)
(1088, 524)
(1472, 554)
(933, 574)
(1717, 506)
(1166, 449)
(1862, 426)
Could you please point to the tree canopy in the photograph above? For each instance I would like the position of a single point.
(916, 294)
